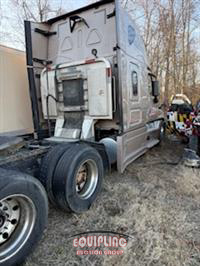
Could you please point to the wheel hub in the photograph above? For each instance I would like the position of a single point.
(86, 179)
(2, 218)
(81, 178)
(9, 218)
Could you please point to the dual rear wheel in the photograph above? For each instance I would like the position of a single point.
(72, 175)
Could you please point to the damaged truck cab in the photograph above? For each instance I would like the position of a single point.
(94, 99)
(90, 81)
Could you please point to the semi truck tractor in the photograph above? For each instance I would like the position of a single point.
(95, 107)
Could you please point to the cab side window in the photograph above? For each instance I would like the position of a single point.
(134, 78)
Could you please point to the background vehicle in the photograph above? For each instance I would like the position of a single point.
(180, 116)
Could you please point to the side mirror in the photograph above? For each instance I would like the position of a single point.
(155, 88)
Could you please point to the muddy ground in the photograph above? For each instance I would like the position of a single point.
(156, 201)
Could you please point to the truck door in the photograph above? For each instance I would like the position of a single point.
(132, 142)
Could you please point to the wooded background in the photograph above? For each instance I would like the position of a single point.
(171, 32)
(170, 29)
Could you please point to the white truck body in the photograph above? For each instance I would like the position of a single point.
(90, 69)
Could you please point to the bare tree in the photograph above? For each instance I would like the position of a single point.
(33, 10)
(169, 29)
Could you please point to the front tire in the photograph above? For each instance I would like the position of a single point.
(23, 215)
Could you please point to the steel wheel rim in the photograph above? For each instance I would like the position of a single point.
(90, 181)
(23, 209)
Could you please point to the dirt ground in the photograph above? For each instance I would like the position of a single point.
(156, 201)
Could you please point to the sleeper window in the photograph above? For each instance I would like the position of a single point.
(134, 83)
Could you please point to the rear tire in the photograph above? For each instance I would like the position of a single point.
(48, 166)
(23, 215)
(78, 178)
